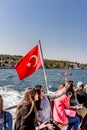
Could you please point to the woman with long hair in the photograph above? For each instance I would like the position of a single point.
(61, 105)
(26, 112)
(44, 109)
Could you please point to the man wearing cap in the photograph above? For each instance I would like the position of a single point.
(81, 94)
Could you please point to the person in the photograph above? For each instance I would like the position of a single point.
(60, 87)
(26, 112)
(82, 98)
(85, 88)
(58, 93)
(59, 114)
(5, 117)
(44, 111)
(81, 94)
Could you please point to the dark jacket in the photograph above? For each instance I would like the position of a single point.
(25, 124)
(84, 123)
(81, 96)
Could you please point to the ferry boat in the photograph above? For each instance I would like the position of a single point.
(66, 73)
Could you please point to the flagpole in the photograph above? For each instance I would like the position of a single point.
(45, 77)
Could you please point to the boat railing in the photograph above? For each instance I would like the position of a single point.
(12, 107)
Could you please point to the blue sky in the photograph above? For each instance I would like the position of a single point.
(61, 25)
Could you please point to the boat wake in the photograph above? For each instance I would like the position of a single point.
(11, 98)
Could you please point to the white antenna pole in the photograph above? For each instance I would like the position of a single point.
(45, 77)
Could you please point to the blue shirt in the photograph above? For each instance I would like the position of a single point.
(5, 121)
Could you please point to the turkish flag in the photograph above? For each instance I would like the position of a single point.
(29, 63)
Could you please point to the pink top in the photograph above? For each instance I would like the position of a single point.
(60, 104)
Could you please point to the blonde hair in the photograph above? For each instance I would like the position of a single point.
(28, 99)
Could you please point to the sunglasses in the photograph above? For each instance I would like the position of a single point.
(42, 90)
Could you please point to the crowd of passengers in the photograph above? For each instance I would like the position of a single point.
(49, 111)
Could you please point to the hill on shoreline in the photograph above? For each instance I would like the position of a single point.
(8, 61)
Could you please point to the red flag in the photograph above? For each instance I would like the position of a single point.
(29, 63)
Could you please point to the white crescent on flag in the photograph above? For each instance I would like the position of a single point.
(36, 60)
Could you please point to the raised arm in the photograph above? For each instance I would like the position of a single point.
(57, 94)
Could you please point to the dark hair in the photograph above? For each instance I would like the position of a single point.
(38, 89)
(70, 89)
(1, 97)
(71, 81)
(82, 86)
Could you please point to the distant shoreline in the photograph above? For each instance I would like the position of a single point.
(9, 61)
(6, 67)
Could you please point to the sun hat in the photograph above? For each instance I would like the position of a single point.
(79, 84)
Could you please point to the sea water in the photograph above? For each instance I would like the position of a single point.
(12, 89)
